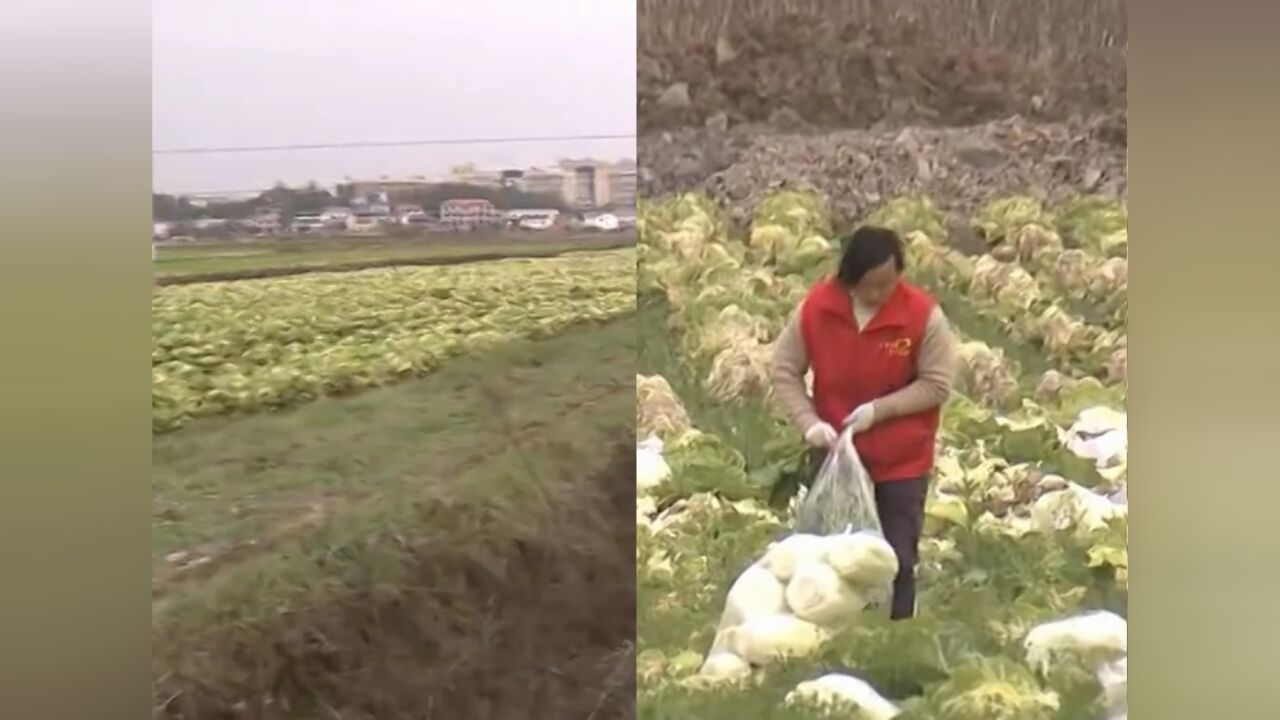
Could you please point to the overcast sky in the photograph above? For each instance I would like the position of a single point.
(273, 72)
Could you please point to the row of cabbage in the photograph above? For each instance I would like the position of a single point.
(252, 345)
(1002, 485)
(730, 297)
(1071, 302)
(1013, 297)
(1076, 253)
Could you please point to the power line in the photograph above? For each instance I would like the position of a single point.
(391, 143)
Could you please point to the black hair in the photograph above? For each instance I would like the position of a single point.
(867, 248)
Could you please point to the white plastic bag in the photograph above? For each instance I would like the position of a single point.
(842, 498)
(1099, 434)
(843, 696)
(651, 467)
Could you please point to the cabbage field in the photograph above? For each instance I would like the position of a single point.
(1024, 565)
(240, 347)
(380, 493)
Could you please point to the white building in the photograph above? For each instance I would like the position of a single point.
(469, 213)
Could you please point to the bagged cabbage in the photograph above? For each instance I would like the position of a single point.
(863, 558)
(724, 666)
(1095, 637)
(846, 695)
(784, 557)
(765, 639)
(651, 468)
(755, 592)
(819, 595)
(1075, 506)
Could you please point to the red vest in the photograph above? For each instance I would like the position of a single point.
(851, 368)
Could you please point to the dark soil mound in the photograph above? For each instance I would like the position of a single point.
(864, 100)
(858, 64)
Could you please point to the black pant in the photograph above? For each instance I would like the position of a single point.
(900, 504)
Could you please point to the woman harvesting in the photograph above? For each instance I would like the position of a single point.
(883, 358)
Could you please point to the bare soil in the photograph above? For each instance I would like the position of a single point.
(864, 100)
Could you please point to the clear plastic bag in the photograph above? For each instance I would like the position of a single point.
(842, 497)
(1114, 679)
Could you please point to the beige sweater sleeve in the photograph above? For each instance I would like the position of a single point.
(937, 364)
(790, 364)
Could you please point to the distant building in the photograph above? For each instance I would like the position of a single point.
(469, 174)
(402, 212)
(307, 222)
(469, 213)
(583, 184)
(267, 221)
(552, 182)
(622, 184)
(584, 190)
(335, 218)
(365, 221)
(595, 184)
(372, 204)
(385, 191)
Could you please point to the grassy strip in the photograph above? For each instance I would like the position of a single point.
(366, 544)
(420, 599)
(222, 481)
(270, 263)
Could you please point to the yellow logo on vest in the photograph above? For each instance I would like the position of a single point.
(898, 348)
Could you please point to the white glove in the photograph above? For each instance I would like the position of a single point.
(821, 435)
(862, 418)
